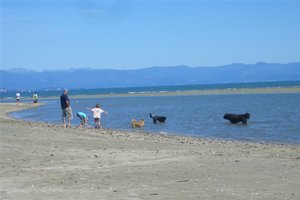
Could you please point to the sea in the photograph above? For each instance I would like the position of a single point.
(274, 118)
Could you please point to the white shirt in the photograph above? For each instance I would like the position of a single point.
(18, 95)
(97, 112)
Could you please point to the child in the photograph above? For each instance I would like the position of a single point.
(97, 115)
(83, 118)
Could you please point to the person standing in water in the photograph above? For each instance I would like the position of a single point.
(97, 115)
(18, 97)
(35, 97)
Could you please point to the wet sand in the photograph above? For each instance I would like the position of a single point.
(270, 90)
(43, 161)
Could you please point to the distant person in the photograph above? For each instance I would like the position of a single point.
(35, 97)
(18, 97)
(97, 115)
(83, 118)
(67, 114)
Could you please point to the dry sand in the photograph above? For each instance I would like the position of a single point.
(41, 161)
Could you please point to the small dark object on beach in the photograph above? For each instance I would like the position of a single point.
(234, 118)
(158, 118)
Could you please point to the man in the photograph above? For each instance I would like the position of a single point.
(35, 97)
(66, 108)
(18, 97)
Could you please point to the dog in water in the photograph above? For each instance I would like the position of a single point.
(137, 124)
(158, 118)
(234, 118)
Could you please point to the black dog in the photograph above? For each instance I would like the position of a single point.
(233, 118)
(158, 118)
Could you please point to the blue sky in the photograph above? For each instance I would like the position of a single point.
(131, 34)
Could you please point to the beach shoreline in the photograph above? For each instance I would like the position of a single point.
(228, 91)
(48, 161)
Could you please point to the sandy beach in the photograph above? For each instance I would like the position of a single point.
(44, 161)
(266, 90)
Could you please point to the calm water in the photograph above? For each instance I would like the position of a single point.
(274, 117)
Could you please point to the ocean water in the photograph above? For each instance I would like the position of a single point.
(274, 117)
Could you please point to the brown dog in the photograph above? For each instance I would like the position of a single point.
(137, 124)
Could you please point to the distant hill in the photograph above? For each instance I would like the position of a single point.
(18, 79)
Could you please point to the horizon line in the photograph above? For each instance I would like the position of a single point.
(131, 69)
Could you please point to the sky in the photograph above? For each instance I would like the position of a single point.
(133, 34)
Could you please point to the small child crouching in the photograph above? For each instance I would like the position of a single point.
(83, 118)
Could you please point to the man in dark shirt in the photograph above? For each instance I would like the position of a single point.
(66, 109)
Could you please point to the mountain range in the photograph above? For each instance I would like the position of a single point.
(17, 79)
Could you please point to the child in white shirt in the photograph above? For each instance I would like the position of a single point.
(97, 115)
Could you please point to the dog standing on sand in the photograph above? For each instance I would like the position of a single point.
(137, 124)
(158, 118)
(234, 118)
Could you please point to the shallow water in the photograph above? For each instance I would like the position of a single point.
(274, 117)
